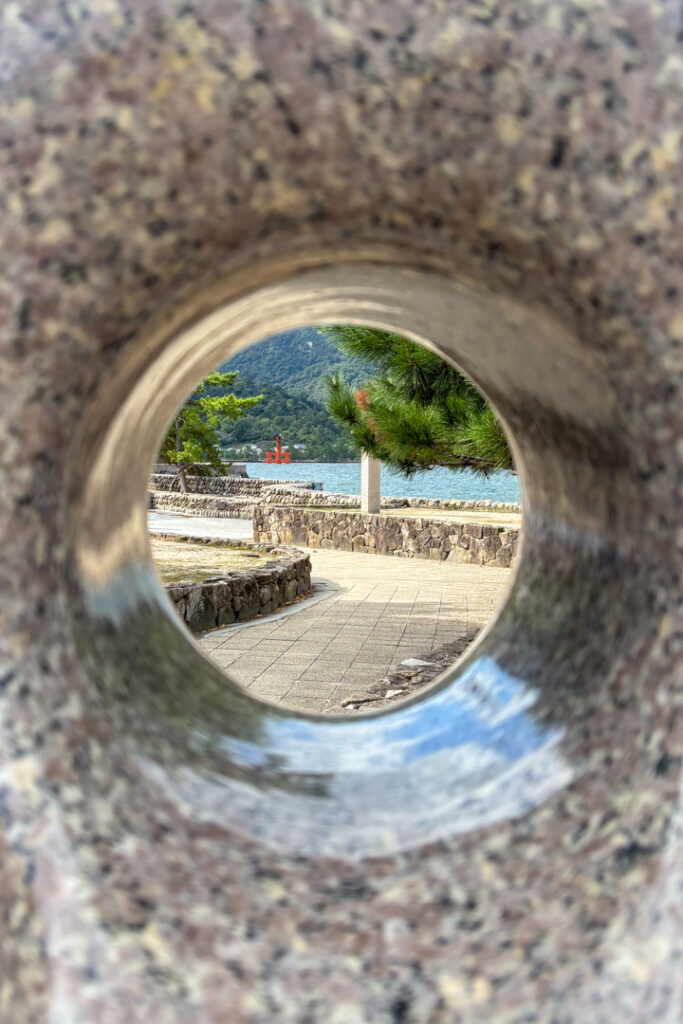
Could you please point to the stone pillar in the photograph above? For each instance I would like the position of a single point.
(370, 491)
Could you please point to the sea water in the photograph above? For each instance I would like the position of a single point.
(344, 478)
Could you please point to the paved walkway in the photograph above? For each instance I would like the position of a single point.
(199, 526)
(381, 610)
(373, 611)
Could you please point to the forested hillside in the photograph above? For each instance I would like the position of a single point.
(298, 361)
(298, 420)
(289, 369)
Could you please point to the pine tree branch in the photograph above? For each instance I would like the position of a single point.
(420, 412)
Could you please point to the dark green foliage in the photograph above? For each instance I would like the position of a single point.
(299, 421)
(298, 361)
(418, 412)
(192, 442)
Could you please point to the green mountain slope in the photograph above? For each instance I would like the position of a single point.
(298, 361)
(299, 421)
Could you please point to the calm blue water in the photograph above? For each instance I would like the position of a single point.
(344, 478)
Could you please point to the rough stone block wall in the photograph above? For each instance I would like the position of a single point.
(475, 543)
(287, 495)
(241, 596)
(484, 504)
(233, 469)
(168, 481)
(203, 504)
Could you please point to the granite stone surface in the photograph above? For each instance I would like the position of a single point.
(502, 179)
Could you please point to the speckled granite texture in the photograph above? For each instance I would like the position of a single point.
(502, 179)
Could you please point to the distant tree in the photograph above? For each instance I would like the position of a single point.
(418, 411)
(192, 442)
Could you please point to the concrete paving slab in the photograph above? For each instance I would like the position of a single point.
(200, 526)
(373, 612)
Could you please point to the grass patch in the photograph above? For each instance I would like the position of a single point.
(180, 561)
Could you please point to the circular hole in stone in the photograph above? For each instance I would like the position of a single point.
(278, 545)
(482, 745)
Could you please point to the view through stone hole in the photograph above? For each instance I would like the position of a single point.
(335, 515)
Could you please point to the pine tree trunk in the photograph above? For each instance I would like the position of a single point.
(179, 448)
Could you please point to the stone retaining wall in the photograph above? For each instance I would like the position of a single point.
(233, 469)
(476, 543)
(330, 499)
(242, 507)
(241, 595)
(456, 504)
(202, 505)
(166, 481)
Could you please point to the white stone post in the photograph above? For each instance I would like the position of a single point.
(369, 484)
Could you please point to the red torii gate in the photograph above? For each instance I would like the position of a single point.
(278, 456)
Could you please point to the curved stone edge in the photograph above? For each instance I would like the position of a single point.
(241, 595)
